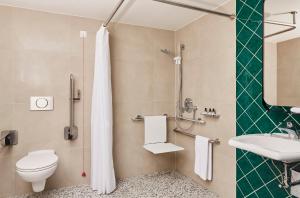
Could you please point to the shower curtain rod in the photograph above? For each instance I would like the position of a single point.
(113, 13)
(232, 16)
(182, 5)
(290, 27)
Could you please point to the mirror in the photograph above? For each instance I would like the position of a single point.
(282, 52)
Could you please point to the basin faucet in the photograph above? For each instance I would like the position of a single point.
(292, 130)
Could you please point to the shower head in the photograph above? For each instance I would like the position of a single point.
(167, 52)
(177, 59)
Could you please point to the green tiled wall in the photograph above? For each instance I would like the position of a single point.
(256, 176)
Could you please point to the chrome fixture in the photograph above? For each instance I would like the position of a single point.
(141, 118)
(180, 74)
(9, 137)
(231, 16)
(178, 62)
(292, 134)
(189, 106)
(167, 52)
(286, 178)
(138, 118)
(291, 130)
(214, 141)
(71, 131)
(182, 5)
(290, 27)
(113, 13)
(199, 120)
(194, 120)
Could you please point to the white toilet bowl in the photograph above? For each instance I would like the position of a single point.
(36, 167)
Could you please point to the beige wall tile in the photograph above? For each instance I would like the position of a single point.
(131, 80)
(40, 73)
(127, 40)
(7, 174)
(6, 76)
(6, 121)
(33, 30)
(6, 28)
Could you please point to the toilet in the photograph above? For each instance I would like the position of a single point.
(36, 167)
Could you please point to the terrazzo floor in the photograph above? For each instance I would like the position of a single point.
(163, 185)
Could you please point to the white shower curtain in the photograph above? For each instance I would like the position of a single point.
(102, 168)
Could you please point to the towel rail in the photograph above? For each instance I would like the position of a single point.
(141, 118)
(214, 141)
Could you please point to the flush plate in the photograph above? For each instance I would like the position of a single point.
(41, 103)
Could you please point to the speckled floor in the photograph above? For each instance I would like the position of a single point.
(163, 185)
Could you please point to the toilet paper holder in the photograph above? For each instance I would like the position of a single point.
(9, 137)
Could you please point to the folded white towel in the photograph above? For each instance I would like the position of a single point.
(203, 158)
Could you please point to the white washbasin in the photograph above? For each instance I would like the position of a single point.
(276, 146)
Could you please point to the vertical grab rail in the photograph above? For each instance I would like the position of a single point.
(71, 131)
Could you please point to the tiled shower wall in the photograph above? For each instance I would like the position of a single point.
(256, 176)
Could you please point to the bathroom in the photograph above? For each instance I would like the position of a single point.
(149, 98)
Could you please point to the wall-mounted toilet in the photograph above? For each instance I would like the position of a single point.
(36, 167)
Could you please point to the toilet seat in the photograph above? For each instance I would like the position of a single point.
(36, 170)
(37, 161)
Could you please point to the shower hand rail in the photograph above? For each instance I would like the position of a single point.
(199, 121)
(71, 131)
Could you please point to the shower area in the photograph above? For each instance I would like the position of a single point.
(185, 73)
(193, 70)
(182, 106)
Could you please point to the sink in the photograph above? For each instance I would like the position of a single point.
(277, 146)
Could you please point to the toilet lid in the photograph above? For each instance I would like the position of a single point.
(37, 160)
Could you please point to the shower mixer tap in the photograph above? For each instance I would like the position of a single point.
(189, 106)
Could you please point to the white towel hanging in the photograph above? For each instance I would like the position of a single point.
(203, 158)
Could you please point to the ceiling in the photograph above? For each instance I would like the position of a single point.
(278, 6)
(137, 12)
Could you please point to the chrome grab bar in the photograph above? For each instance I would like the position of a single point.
(71, 131)
(141, 118)
(199, 121)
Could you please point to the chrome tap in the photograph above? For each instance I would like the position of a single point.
(291, 130)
